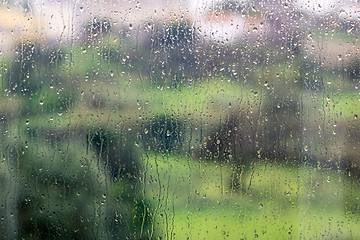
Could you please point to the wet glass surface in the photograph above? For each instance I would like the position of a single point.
(183, 119)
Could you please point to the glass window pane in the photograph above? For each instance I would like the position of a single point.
(191, 119)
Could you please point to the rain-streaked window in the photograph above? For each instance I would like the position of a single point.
(179, 119)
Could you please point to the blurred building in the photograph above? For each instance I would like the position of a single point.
(226, 21)
(58, 23)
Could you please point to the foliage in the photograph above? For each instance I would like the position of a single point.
(172, 136)
(163, 134)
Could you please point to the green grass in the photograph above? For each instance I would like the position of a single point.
(206, 101)
(345, 105)
(194, 199)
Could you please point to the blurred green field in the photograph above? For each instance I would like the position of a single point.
(194, 200)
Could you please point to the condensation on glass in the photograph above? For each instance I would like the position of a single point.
(191, 119)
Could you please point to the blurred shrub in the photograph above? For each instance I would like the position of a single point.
(21, 69)
(34, 75)
(60, 192)
(96, 27)
(353, 69)
(164, 134)
(127, 211)
(5, 66)
(8, 218)
(173, 34)
(174, 43)
(117, 151)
